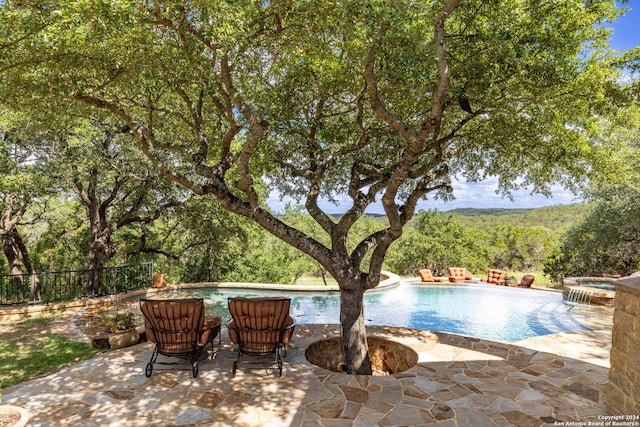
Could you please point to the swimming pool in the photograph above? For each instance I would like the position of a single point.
(490, 312)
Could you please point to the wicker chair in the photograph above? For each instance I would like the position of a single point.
(426, 276)
(179, 328)
(458, 274)
(260, 327)
(496, 277)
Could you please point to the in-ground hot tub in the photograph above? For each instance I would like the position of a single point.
(589, 290)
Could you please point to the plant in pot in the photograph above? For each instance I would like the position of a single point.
(511, 281)
(122, 330)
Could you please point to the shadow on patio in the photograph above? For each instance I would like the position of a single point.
(457, 381)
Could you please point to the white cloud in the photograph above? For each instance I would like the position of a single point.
(483, 195)
(480, 195)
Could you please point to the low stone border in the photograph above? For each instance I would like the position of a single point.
(14, 416)
(386, 356)
(16, 313)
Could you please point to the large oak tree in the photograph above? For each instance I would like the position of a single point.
(114, 185)
(21, 186)
(370, 102)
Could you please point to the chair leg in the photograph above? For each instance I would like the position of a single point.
(149, 369)
(235, 364)
(193, 358)
(279, 361)
(213, 352)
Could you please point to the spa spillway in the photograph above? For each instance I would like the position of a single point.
(589, 290)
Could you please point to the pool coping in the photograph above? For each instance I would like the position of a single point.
(17, 313)
(12, 313)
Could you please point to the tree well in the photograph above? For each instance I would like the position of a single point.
(387, 357)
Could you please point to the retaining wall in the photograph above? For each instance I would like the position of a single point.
(624, 374)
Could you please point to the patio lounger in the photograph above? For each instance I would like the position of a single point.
(496, 277)
(426, 275)
(260, 327)
(179, 328)
(458, 274)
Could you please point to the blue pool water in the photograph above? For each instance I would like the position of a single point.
(490, 312)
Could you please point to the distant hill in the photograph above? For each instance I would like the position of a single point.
(552, 217)
(557, 217)
(487, 211)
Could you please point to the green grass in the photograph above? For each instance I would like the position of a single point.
(36, 321)
(29, 349)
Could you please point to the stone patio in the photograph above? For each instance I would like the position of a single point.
(458, 381)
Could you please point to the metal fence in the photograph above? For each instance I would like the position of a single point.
(73, 284)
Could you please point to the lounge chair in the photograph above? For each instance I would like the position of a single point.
(426, 276)
(458, 274)
(260, 327)
(179, 328)
(496, 277)
(526, 281)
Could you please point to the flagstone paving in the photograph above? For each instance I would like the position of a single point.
(458, 381)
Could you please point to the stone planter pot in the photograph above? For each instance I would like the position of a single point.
(13, 416)
(122, 339)
(511, 281)
(159, 280)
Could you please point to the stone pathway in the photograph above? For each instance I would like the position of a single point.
(458, 381)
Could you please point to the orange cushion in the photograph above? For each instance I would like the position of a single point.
(458, 274)
(496, 276)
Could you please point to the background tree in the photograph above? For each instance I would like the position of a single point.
(63, 242)
(114, 185)
(606, 241)
(519, 248)
(383, 102)
(438, 241)
(212, 244)
(22, 186)
(292, 262)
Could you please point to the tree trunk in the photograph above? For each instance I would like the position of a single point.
(324, 277)
(34, 281)
(12, 245)
(12, 253)
(354, 335)
(99, 252)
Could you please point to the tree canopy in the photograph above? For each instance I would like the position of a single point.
(605, 241)
(381, 101)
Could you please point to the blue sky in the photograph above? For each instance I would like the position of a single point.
(626, 35)
(626, 29)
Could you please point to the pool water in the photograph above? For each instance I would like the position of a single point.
(490, 312)
(608, 286)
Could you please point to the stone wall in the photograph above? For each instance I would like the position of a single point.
(624, 375)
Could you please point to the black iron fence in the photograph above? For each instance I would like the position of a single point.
(73, 284)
